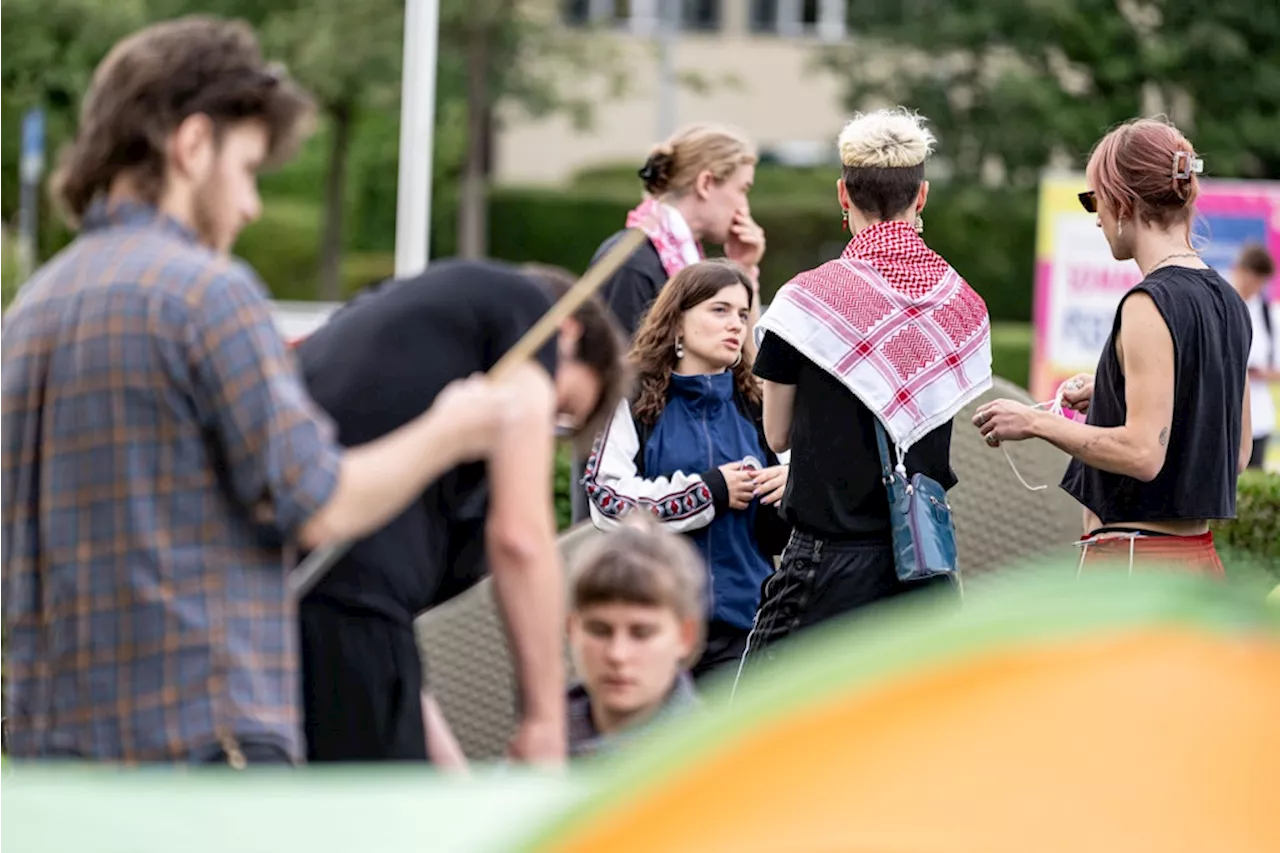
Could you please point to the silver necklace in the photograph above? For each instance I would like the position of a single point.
(1161, 262)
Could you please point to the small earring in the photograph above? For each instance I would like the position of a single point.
(919, 226)
(1119, 227)
(844, 220)
(679, 347)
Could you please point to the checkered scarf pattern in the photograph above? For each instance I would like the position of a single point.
(668, 232)
(896, 324)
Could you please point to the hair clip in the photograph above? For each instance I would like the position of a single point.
(1185, 165)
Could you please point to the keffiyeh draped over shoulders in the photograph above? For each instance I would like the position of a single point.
(896, 324)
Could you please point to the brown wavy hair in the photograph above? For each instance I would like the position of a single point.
(653, 354)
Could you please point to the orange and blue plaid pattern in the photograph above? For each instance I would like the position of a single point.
(159, 452)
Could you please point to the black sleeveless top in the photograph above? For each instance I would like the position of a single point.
(1211, 332)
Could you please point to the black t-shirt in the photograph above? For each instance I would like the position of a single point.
(1212, 333)
(379, 363)
(631, 290)
(835, 490)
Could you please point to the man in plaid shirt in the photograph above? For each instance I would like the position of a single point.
(161, 456)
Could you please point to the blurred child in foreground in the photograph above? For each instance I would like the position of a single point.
(636, 624)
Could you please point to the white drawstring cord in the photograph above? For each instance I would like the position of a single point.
(1084, 544)
(1055, 408)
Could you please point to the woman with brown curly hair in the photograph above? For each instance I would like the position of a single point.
(690, 448)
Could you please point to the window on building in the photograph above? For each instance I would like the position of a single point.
(764, 16)
(580, 13)
(798, 17)
(700, 14)
(576, 13)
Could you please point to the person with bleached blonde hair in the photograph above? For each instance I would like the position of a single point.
(867, 357)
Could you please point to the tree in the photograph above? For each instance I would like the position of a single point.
(1012, 86)
(516, 52)
(348, 55)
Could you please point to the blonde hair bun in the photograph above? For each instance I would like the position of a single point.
(885, 139)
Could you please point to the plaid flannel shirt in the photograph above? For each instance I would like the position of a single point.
(159, 452)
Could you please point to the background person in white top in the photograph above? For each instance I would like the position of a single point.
(1250, 275)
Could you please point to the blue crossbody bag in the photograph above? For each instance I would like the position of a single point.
(924, 535)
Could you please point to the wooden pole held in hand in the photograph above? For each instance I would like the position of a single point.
(320, 561)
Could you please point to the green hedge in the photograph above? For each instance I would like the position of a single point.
(1250, 543)
(988, 235)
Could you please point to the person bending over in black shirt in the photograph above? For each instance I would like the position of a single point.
(372, 366)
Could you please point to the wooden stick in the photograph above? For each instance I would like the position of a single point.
(318, 563)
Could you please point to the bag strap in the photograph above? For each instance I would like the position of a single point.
(886, 460)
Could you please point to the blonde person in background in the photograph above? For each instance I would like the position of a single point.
(697, 183)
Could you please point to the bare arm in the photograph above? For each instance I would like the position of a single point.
(1246, 430)
(779, 404)
(442, 747)
(377, 480)
(1137, 448)
(527, 574)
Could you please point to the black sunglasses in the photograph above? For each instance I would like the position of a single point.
(1088, 200)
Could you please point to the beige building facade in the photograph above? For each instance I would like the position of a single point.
(754, 63)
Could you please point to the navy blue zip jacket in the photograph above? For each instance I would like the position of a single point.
(672, 469)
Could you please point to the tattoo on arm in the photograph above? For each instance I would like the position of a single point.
(1164, 437)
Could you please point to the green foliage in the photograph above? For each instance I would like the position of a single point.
(1010, 84)
(1011, 352)
(1250, 543)
(561, 481)
(988, 235)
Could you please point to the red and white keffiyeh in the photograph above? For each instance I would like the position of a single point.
(666, 229)
(896, 324)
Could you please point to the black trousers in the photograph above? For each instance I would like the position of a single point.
(1259, 454)
(361, 686)
(724, 648)
(820, 580)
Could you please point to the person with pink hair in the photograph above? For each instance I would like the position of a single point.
(1168, 430)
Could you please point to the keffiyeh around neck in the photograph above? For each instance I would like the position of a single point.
(668, 232)
(896, 324)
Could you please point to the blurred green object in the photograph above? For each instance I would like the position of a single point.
(354, 809)
(395, 808)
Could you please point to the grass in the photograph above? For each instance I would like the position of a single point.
(1011, 352)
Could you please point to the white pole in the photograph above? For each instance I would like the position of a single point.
(417, 135)
(668, 28)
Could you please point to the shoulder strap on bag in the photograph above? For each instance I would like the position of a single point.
(886, 460)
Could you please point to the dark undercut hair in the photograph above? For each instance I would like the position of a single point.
(883, 191)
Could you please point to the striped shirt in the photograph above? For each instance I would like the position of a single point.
(159, 453)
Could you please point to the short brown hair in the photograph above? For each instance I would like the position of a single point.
(155, 79)
(1256, 259)
(602, 347)
(641, 563)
